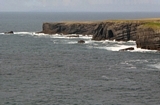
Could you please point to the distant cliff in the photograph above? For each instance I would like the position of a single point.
(146, 33)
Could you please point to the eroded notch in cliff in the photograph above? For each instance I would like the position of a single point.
(110, 34)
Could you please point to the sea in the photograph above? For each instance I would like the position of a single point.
(42, 69)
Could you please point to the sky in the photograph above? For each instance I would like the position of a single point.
(79, 5)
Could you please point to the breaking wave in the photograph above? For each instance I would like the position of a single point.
(156, 66)
(110, 45)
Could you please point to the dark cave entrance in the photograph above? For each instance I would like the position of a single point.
(110, 34)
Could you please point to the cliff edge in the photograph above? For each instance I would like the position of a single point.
(145, 32)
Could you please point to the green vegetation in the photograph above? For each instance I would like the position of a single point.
(154, 25)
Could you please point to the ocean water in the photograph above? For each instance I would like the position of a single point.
(41, 69)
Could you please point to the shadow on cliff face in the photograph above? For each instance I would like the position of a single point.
(110, 34)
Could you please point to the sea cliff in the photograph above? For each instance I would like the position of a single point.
(145, 32)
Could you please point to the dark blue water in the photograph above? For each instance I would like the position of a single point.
(33, 21)
(55, 70)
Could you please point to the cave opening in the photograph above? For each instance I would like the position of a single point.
(110, 34)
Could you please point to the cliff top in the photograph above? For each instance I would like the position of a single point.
(153, 23)
(154, 20)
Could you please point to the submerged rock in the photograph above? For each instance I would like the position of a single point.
(126, 49)
(72, 35)
(10, 32)
(81, 41)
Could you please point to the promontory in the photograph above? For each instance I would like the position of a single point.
(146, 32)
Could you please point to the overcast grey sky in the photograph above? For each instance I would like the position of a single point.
(80, 5)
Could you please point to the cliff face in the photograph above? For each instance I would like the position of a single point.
(119, 31)
(146, 38)
(69, 28)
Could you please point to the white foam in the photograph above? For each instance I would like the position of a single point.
(69, 36)
(119, 47)
(73, 42)
(116, 46)
(110, 45)
(118, 42)
(23, 33)
(54, 35)
(142, 50)
(110, 41)
(124, 47)
(57, 36)
(131, 41)
(85, 36)
(39, 34)
(31, 33)
(1, 33)
(90, 42)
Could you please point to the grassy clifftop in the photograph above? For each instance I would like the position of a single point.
(153, 25)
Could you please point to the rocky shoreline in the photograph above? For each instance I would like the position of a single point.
(145, 32)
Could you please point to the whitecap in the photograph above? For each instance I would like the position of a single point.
(156, 66)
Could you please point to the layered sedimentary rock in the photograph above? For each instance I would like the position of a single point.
(142, 31)
(69, 28)
(100, 30)
(148, 39)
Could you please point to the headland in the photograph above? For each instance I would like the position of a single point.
(146, 32)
